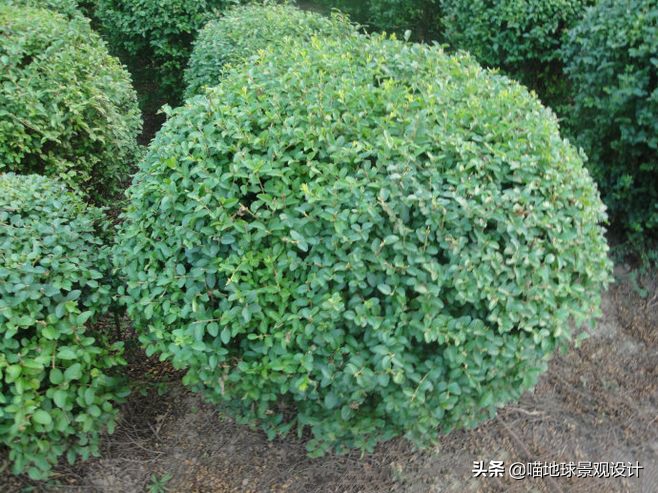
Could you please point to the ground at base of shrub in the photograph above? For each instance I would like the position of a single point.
(597, 403)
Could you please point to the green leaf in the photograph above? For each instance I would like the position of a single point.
(487, 399)
(50, 332)
(385, 288)
(330, 400)
(246, 314)
(89, 396)
(60, 310)
(346, 413)
(42, 417)
(73, 372)
(59, 398)
(454, 388)
(13, 371)
(66, 353)
(83, 317)
(56, 376)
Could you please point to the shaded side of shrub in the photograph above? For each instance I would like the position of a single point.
(420, 17)
(57, 388)
(613, 67)
(522, 37)
(155, 40)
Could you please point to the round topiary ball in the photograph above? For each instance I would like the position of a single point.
(67, 108)
(57, 391)
(522, 37)
(612, 64)
(243, 31)
(361, 237)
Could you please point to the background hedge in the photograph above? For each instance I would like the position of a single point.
(612, 62)
(245, 30)
(421, 17)
(365, 238)
(67, 108)
(57, 392)
(522, 37)
(155, 40)
(68, 8)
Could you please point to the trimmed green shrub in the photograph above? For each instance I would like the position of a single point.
(522, 37)
(245, 30)
(362, 237)
(612, 62)
(57, 393)
(154, 38)
(421, 17)
(68, 8)
(67, 108)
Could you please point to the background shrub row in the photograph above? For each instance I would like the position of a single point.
(612, 64)
(155, 39)
(421, 17)
(523, 38)
(527, 39)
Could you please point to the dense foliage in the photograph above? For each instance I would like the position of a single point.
(67, 108)
(522, 37)
(364, 237)
(612, 61)
(421, 17)
(56, 390)
(245, 30)
(69, 8)
(155, 39)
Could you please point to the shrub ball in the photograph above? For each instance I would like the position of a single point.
(361, 237)
(231, 39)
(67, 108)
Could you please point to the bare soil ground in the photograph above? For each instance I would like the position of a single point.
(598, 402)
